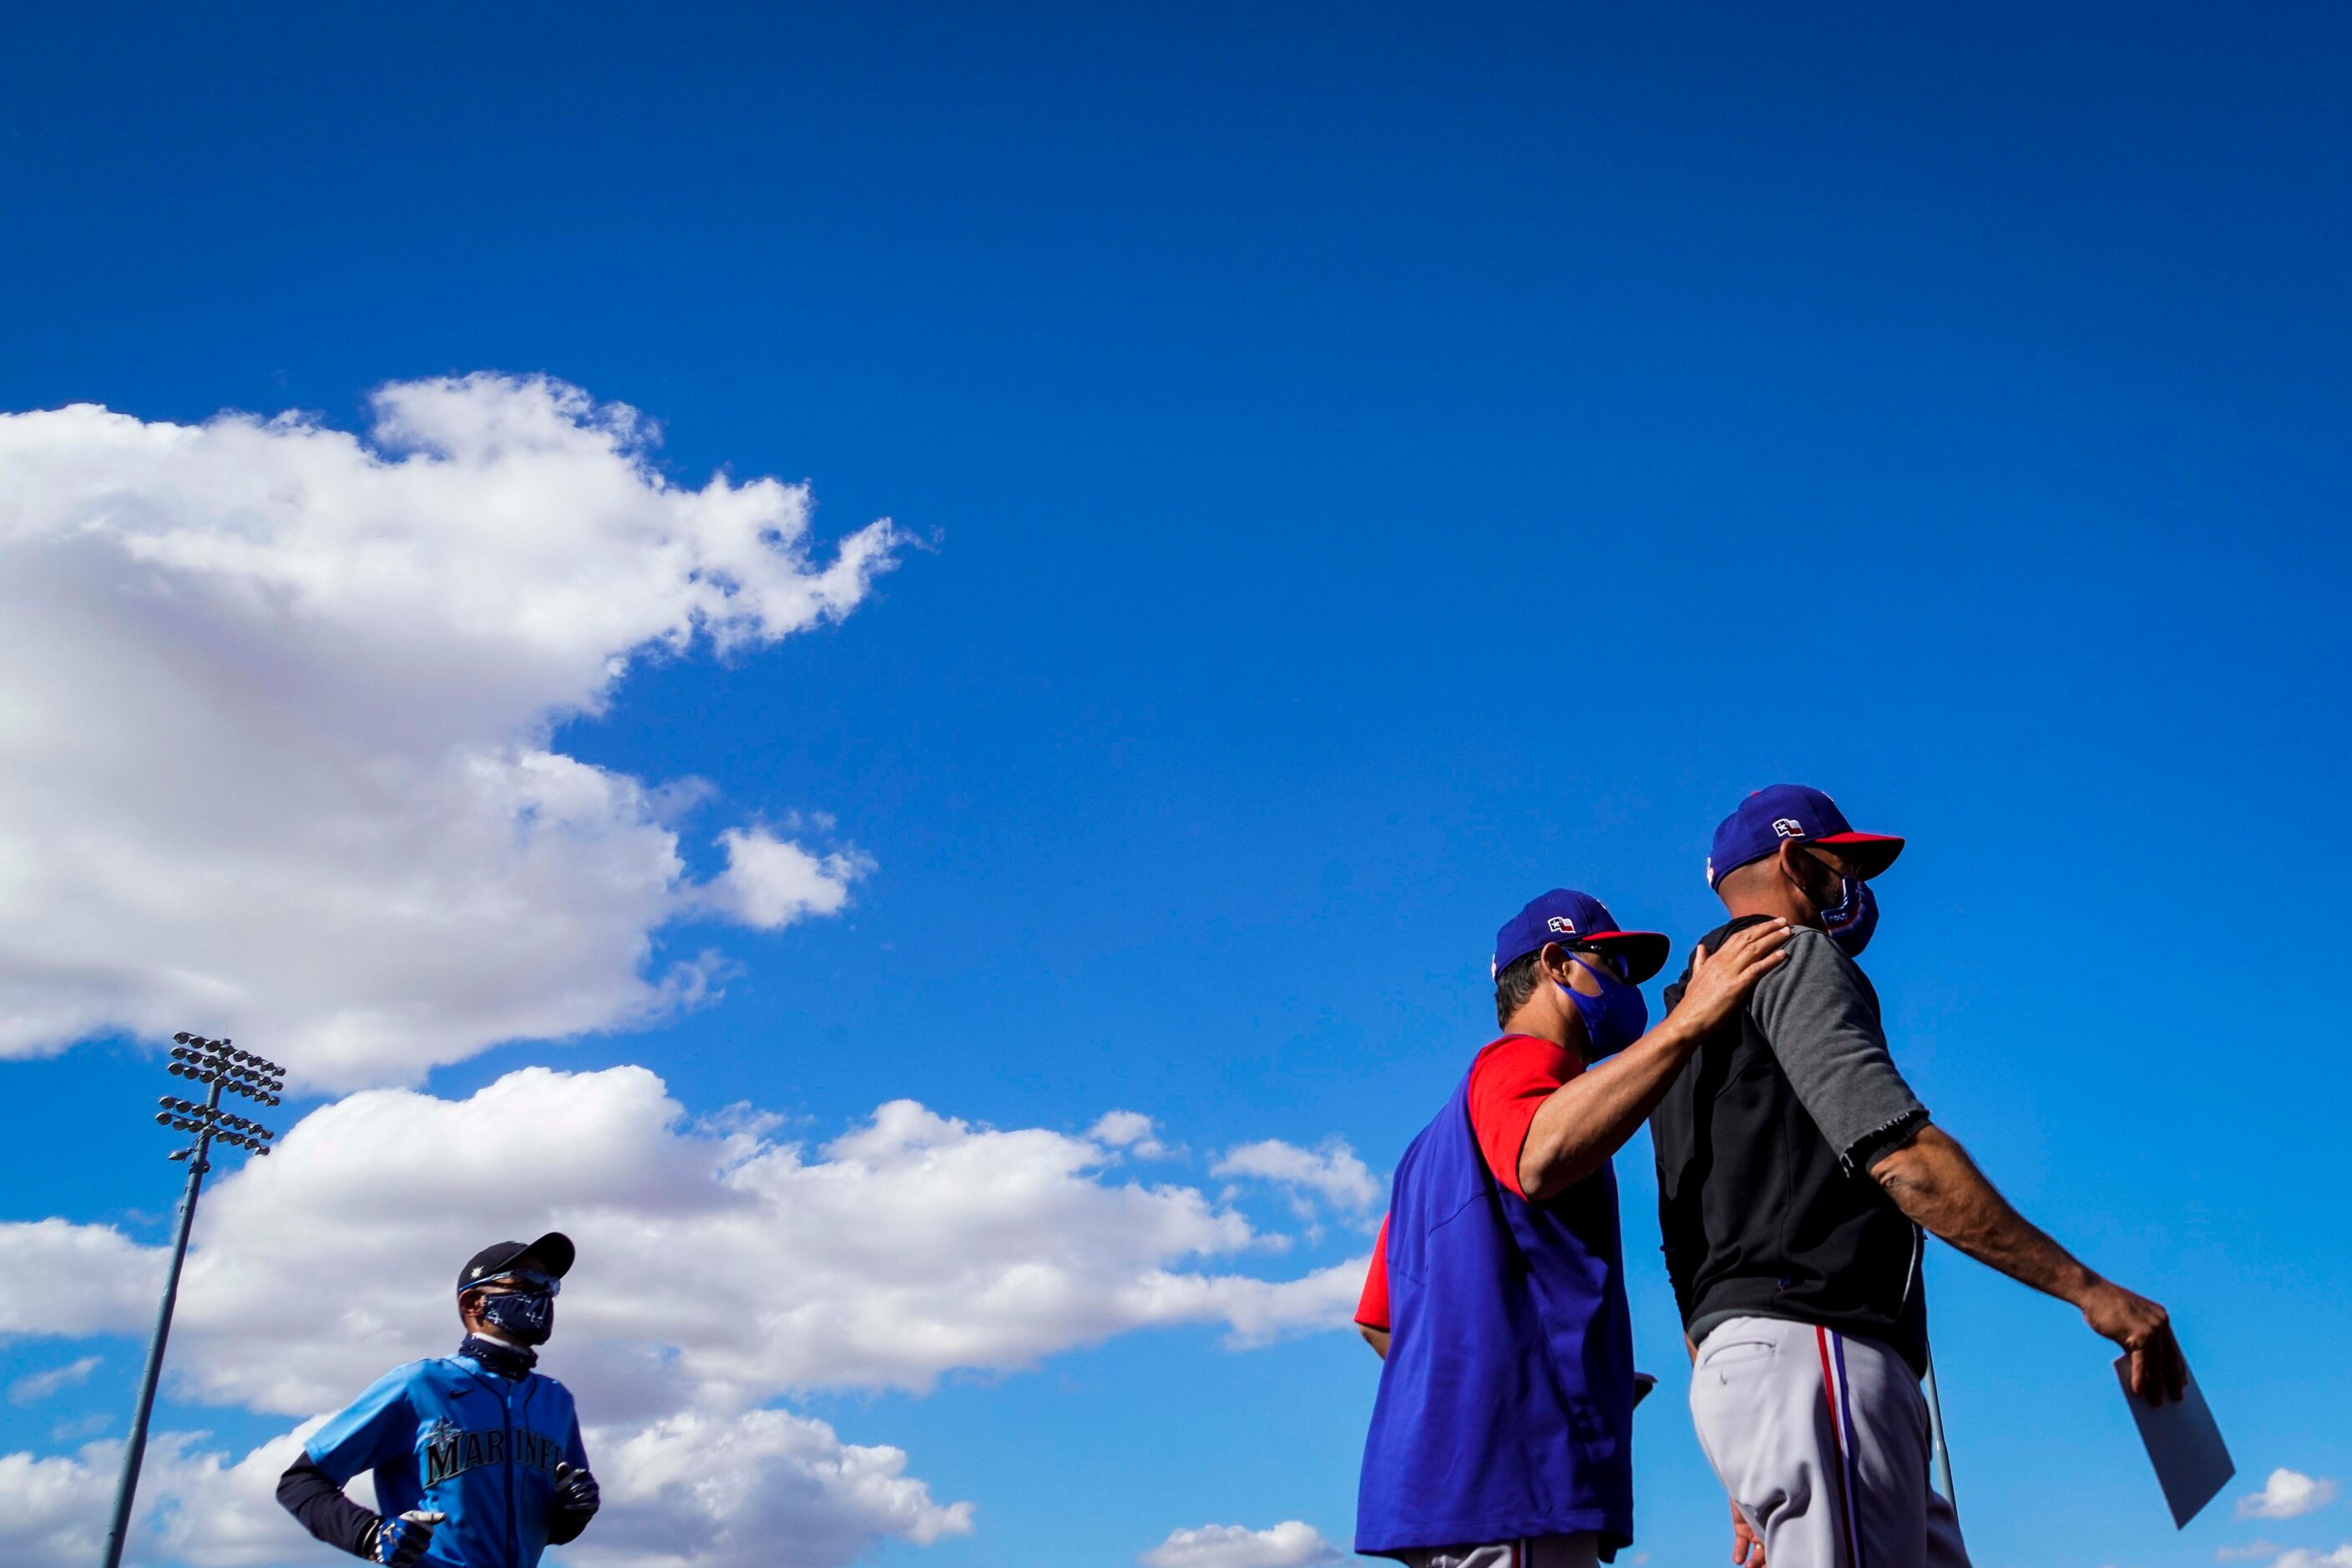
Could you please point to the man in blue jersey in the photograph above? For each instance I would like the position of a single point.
(1502, 1434)
(477, 1458)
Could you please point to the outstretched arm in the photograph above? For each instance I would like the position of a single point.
(1932, 1179)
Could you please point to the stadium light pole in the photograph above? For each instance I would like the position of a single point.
(220, 1066)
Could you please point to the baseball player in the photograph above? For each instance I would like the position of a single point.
(477, 1456)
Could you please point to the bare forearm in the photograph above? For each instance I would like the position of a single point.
(1590, 1118)
(1376, 1338)
(1933, 1180)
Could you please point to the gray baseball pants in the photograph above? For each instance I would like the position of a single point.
(1822, 1441)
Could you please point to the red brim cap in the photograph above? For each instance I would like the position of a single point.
(1644, 952)
(1870, 852)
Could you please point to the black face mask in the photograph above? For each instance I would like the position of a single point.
(528, 1317)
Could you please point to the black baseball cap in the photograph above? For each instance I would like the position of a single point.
(555, 1251)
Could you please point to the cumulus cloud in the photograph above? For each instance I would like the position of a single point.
(757, 1491)
(2251, 1552)
(1128, 1130)
(196, 1505)
(53, 1510)
(1290, 1544)
(275, 704)
(36, 1387)
(719, 1270)
(2307, 1557)
(73, 1274)
(911, 1246)
(1332, 1173)
(762, 1489)
(2288, 1494)
(771, 881)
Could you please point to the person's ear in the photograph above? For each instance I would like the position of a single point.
(1800, 868)
(1554, 963)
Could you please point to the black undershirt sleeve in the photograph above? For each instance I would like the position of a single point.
(311, 1496)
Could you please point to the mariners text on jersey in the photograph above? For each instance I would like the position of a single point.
(450, 1435)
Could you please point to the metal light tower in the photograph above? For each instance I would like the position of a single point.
(214, 1063)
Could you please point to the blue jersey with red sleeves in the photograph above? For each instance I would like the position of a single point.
(451, 1436)
(1505, 1407)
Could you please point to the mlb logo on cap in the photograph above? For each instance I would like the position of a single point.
(1798, 812)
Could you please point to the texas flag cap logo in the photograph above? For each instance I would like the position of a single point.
(1779, 812)
(1579, 921)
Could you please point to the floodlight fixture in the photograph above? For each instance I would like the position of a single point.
(218, 1064)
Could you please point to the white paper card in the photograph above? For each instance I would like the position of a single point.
(2191, 1461)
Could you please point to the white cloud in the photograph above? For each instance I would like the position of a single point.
(2306, 1557)
(1290, 1544)
(1128, 1130)
(718, 1269)
(53, 1510)
(2251, 1552)
(275, 708)
(75, 1274)
(771, 881)
(1332, 1172)
(198, 1506)
(762, 1489)
(2288, 1494)
(36, 1387)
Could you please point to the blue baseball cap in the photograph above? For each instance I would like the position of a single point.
(1781, 812)
(1578, 919)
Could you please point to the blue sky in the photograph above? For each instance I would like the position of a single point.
(1360, 468)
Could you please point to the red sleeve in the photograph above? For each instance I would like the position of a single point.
(1508, 1083)
(1372, 1309)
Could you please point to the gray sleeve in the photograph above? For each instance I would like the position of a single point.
(1821, 1018)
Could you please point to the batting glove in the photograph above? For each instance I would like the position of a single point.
(401, 1542)
(575, 1489)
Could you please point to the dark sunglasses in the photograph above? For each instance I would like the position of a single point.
(1614, 960)
(523, 1281)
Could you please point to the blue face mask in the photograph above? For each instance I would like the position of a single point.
(1853, 918)
(1612, 1020)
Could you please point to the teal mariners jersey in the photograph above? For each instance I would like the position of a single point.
(451, 1436)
